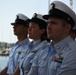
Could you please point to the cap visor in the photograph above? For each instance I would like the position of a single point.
(45, 17)
(13, 24)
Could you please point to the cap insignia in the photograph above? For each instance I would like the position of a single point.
(52, 6)
(17, 17)
(34, 15)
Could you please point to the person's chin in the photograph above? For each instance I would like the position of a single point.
(15, 34)
(48, 36)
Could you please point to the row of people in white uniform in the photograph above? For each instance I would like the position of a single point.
(41, 57)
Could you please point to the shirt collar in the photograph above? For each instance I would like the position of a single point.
(24, 42)
(60, 45)
(35, 43)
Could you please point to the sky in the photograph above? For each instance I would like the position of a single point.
(10, 8)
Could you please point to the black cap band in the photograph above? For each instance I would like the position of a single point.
(41, 23)
(55, 12)
(19, 21)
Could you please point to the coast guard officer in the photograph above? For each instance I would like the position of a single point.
(37, 25)
(37, 32)
(61, 21)
(20, 28)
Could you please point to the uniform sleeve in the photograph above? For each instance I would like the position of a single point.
(7, 63)
(68, 72)
(68, 66)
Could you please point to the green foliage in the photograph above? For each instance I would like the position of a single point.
(4, 45)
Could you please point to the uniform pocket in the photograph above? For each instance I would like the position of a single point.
(42, 67)
(23, 54)
(42, 63)
(30, 55)
(54, 65)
